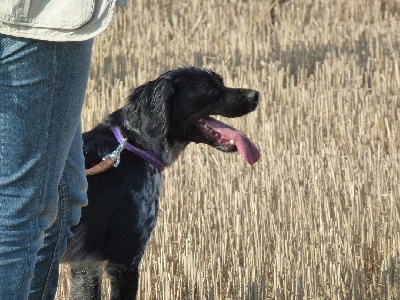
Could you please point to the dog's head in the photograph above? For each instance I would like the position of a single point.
(176, 109)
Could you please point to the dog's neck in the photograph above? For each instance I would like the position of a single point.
(163, 148)
(167, 151)
(149, 156)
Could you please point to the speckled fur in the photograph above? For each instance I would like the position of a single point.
(160, 116)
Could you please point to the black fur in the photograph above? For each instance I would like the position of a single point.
(160, 116)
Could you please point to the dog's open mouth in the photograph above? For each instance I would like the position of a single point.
(229, 138)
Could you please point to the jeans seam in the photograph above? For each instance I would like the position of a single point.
(55, 65)
(62, 211)
(38, 203)
(39, 199)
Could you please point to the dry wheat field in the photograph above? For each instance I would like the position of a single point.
(318, 217)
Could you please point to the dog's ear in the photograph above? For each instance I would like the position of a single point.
(147, 110)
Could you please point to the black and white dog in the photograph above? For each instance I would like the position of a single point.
(159, 119)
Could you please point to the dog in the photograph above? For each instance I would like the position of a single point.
(159, 119)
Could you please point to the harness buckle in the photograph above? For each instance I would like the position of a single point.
(115, 155)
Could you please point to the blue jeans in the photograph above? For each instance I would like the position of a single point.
(42, 180)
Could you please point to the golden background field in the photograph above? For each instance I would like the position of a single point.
(318, 216)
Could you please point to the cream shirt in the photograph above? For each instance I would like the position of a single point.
(56, 20)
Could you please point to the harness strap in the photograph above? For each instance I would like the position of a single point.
(113, 159)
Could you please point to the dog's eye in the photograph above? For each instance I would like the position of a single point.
(213, 93)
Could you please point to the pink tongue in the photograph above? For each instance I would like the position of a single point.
(246, 148)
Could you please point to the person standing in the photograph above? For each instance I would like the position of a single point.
(45, 52)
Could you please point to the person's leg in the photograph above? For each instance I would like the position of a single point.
(42, 87)
(72, 196)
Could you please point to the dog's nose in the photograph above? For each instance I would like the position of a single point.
(253, 96)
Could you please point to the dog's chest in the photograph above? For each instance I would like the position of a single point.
(147, 200)
(148, 197)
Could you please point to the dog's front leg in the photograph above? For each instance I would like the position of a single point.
(86, 281)
(124, 281)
